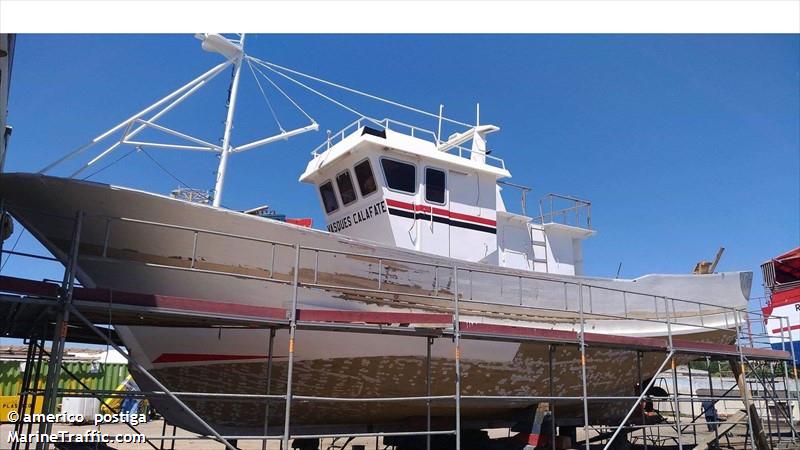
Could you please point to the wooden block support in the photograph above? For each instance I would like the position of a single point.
(759, 436)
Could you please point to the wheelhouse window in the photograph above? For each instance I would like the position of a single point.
(400, 176)
(346, 188)
(434, 185)
(365, 178)
(328, 197)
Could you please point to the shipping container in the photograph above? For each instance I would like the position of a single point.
(96, 375)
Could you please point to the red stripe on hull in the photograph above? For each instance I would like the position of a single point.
(202, 357)
(440, 212)
(791, 328)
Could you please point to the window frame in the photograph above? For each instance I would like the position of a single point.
(374, 178)
(444, 188)
(386, 180)
(335, 196)
(339, 190)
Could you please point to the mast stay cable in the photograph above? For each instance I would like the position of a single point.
(128, 153)
(164, 169)
(264, 95)
(278, 88)
(301, 84)
(273, 67)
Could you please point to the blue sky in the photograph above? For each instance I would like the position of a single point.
(682, 142)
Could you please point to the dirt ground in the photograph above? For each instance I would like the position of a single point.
(155, 428)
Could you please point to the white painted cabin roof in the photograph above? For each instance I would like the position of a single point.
(397, 142)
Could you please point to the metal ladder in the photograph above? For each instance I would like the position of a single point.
(541, 245)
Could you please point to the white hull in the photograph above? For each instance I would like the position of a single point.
(138, 257)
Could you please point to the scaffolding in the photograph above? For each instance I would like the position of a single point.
(42, 311)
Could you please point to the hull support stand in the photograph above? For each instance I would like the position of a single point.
(757, 429)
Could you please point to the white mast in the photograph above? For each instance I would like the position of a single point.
(226, 138)
(233, 52)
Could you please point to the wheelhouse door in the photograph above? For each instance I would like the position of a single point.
(433, 215)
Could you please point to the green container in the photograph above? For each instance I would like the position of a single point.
(97, 376)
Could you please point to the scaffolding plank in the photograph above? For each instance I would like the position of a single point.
(178, 303)
(627, 341)
(727, 349)
(320, 315)
(514, 331)
(24, 286)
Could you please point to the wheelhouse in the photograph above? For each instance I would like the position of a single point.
(401, 186)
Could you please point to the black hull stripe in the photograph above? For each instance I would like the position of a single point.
(439, 219)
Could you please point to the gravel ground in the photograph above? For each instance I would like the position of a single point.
(154, 428)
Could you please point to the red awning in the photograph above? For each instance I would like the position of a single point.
(787, 266)
(791, 254)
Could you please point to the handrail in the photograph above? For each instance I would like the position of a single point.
(524, 191)
(387, 122)
(466, 153)
(414, 131)
(503, 272)
(578, 214)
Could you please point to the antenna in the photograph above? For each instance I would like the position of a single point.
(439, 129)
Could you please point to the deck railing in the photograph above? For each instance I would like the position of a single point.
(566, 210)
(405, 128)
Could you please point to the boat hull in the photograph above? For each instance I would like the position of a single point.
(139, 242)
(354, 365)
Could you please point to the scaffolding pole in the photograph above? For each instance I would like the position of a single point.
(292, 331)
(457, 342)
(675, 392)
(428, 371)
(60, 331)
(582, 344)
(269, 385)
(551, 390)
(641, 389)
